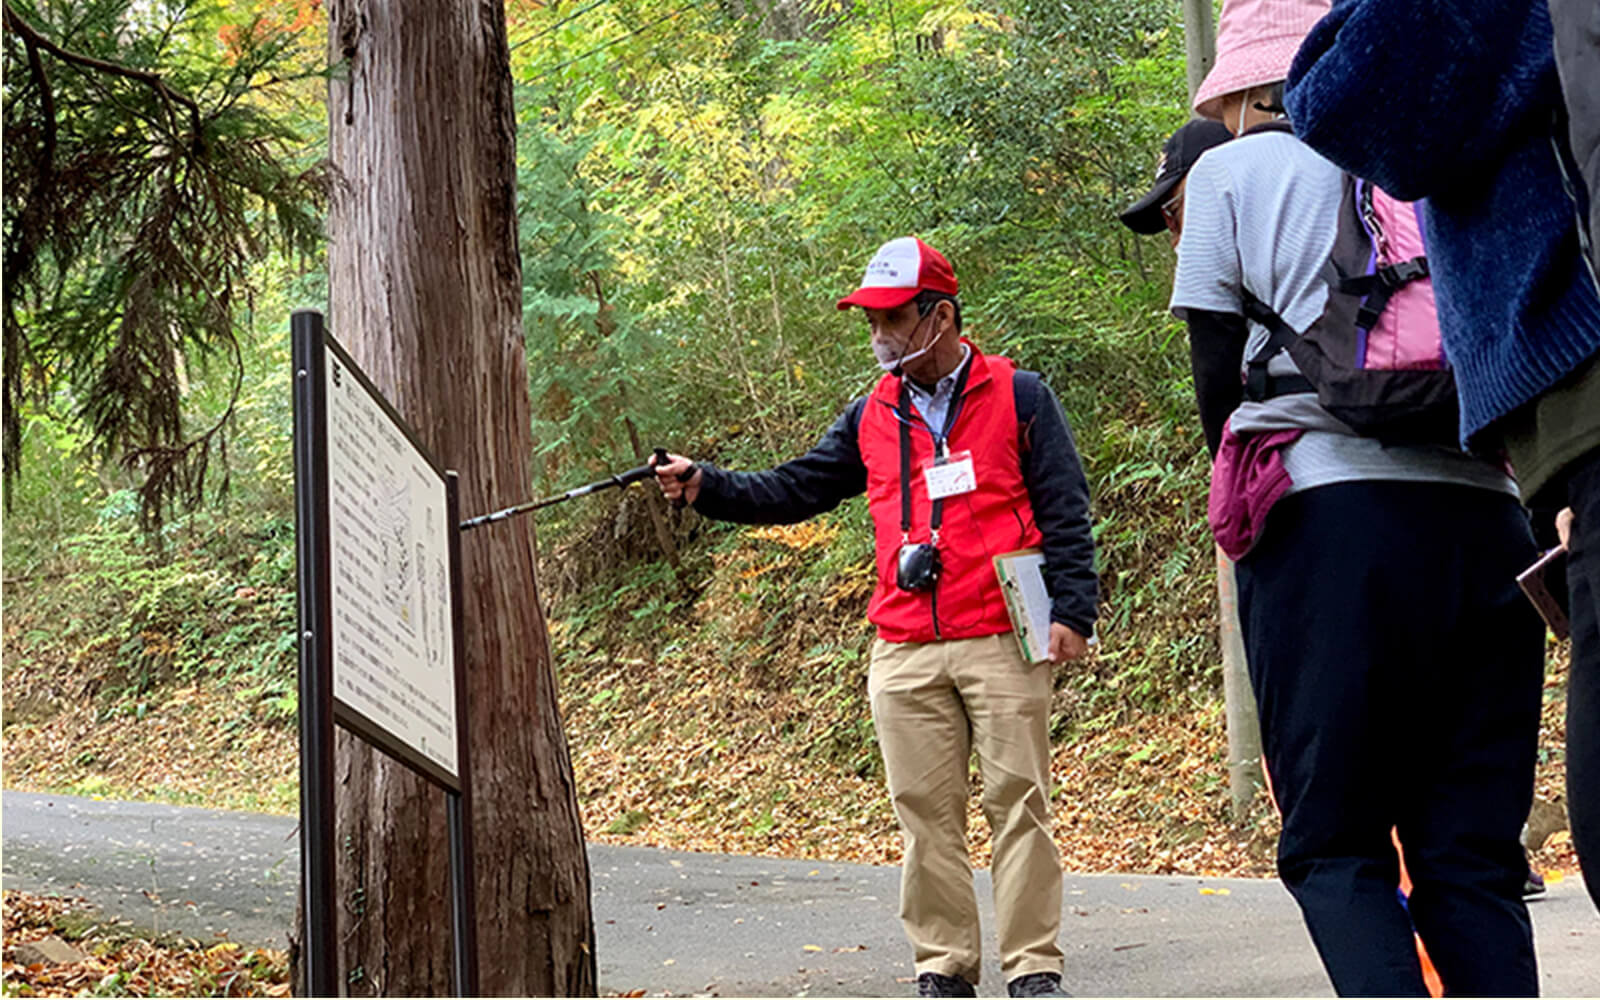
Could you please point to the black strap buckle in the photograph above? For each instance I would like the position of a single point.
(1404, 272)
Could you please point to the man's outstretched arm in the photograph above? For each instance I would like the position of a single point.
(812, 484)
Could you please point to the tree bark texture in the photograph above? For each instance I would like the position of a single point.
(1199, 42)
(425, 293)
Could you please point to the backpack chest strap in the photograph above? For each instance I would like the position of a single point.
(1380, 286)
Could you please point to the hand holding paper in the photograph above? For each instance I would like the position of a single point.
(1040, 639)
(1066, 645)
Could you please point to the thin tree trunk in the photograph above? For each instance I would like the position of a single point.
(425, 292)
(1199, 42)
(654, 503)
(1244, 727)
(606, 328)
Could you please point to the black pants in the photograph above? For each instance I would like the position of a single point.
(1583, 682)
(1398, 671)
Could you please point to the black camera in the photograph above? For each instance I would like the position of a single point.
(918, 567)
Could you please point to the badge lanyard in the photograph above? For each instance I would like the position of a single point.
(940, 449)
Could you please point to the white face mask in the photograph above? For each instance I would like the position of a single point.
(893, 362)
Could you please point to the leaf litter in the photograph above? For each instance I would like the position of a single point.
(116, 961)
(716, 774)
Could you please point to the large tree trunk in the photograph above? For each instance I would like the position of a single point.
(425, 292)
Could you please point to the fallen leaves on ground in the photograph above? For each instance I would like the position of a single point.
(690, 750)
(204, 744)
(119, 963)
(682, 756)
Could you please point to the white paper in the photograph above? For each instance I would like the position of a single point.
(1022, 581)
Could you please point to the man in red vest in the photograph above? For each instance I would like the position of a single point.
(962, 458)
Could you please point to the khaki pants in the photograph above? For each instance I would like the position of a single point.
(932, 704)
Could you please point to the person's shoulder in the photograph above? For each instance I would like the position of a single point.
(1221, 169)
(1264, 150)
(1002, 369)
(1214, 164)
(1263, 162)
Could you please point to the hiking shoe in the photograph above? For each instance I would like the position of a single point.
(1036, 984)
(932, 984)
(1533, 885)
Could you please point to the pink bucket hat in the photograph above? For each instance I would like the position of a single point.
(1255, 44)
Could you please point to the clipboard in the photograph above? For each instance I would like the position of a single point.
(1021, 576)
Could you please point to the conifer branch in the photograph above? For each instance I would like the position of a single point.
(47, 100)
(33, 37)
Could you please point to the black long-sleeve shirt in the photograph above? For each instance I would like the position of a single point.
(1216, 356)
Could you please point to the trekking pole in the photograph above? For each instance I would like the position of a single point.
(619, 480)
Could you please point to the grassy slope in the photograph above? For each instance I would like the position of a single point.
(724, 714)
(681, 742)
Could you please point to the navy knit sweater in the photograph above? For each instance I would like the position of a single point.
(1454, 101)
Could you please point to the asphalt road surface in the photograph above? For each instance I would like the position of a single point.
(681, 924)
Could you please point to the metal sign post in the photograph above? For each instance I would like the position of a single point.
(463, 900)
(379, 573)
(316, 654)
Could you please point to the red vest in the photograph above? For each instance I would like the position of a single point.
(995, 518)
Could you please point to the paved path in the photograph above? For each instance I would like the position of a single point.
(737, 926)
(200, 872)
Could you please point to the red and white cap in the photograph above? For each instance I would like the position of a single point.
(898, 271)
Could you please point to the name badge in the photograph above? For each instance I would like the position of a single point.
(950, 476)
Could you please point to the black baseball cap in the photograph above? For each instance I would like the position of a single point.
(1177, 156)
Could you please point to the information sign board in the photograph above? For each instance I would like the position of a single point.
(378, 567)
(389, 555)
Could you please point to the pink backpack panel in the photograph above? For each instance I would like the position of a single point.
(1405, 335)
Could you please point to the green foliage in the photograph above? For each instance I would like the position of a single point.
(698, 183)
(213, 600)
(689, 220)
(209, 593)
(149, 168)
(60, 496)
(628, 822)
(755, 170)
(584, 354)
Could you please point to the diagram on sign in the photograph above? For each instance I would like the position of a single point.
(435, 574)
(393, 518)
